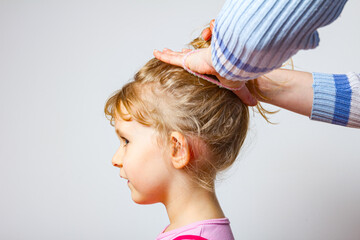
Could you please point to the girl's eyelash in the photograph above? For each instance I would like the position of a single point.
(124, 140)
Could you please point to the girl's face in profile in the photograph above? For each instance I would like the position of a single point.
(142, 162)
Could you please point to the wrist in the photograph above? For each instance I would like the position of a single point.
(272, 85)
(288, 89)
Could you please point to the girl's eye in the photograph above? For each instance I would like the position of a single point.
(124, 141)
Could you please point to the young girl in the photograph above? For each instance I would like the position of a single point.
(177, 131)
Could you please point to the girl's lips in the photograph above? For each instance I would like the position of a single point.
(125, 179)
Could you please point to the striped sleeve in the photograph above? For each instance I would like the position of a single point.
(251, 38)
(337, 99)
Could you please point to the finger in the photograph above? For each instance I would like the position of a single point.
(245, 96)
(199, 61)
(244, 93)
(206, 34)
(212, 23)
(174, 58)
(186, 50)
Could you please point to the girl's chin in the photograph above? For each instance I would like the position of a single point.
(141, 199)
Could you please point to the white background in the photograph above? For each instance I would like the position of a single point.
(61, 60)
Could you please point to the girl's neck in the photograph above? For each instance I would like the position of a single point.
(192, 205)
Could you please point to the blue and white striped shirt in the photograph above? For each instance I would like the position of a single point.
(253, 37)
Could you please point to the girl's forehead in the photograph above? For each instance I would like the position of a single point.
(121, 124)
(132, 127)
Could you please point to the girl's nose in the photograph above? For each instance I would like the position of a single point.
(117, 159)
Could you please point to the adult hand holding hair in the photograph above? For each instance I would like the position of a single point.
(310, 94)
(287, 89)
(200, 62)
(253, 38)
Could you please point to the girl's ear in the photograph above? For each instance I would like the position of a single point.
(179, 150)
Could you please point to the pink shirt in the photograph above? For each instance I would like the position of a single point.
(212, 229)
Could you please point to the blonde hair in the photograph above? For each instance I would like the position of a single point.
(166, 97)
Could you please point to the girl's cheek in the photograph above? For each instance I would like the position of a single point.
(128, 167)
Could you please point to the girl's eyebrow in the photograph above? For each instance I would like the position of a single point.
(118, 132)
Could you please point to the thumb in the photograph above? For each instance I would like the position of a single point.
(212, 23)
(244, 94)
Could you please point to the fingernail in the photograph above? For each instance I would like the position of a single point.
(253, 102)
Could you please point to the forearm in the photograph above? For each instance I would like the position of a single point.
(288, 89)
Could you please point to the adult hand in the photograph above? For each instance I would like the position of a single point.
(200, 62)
